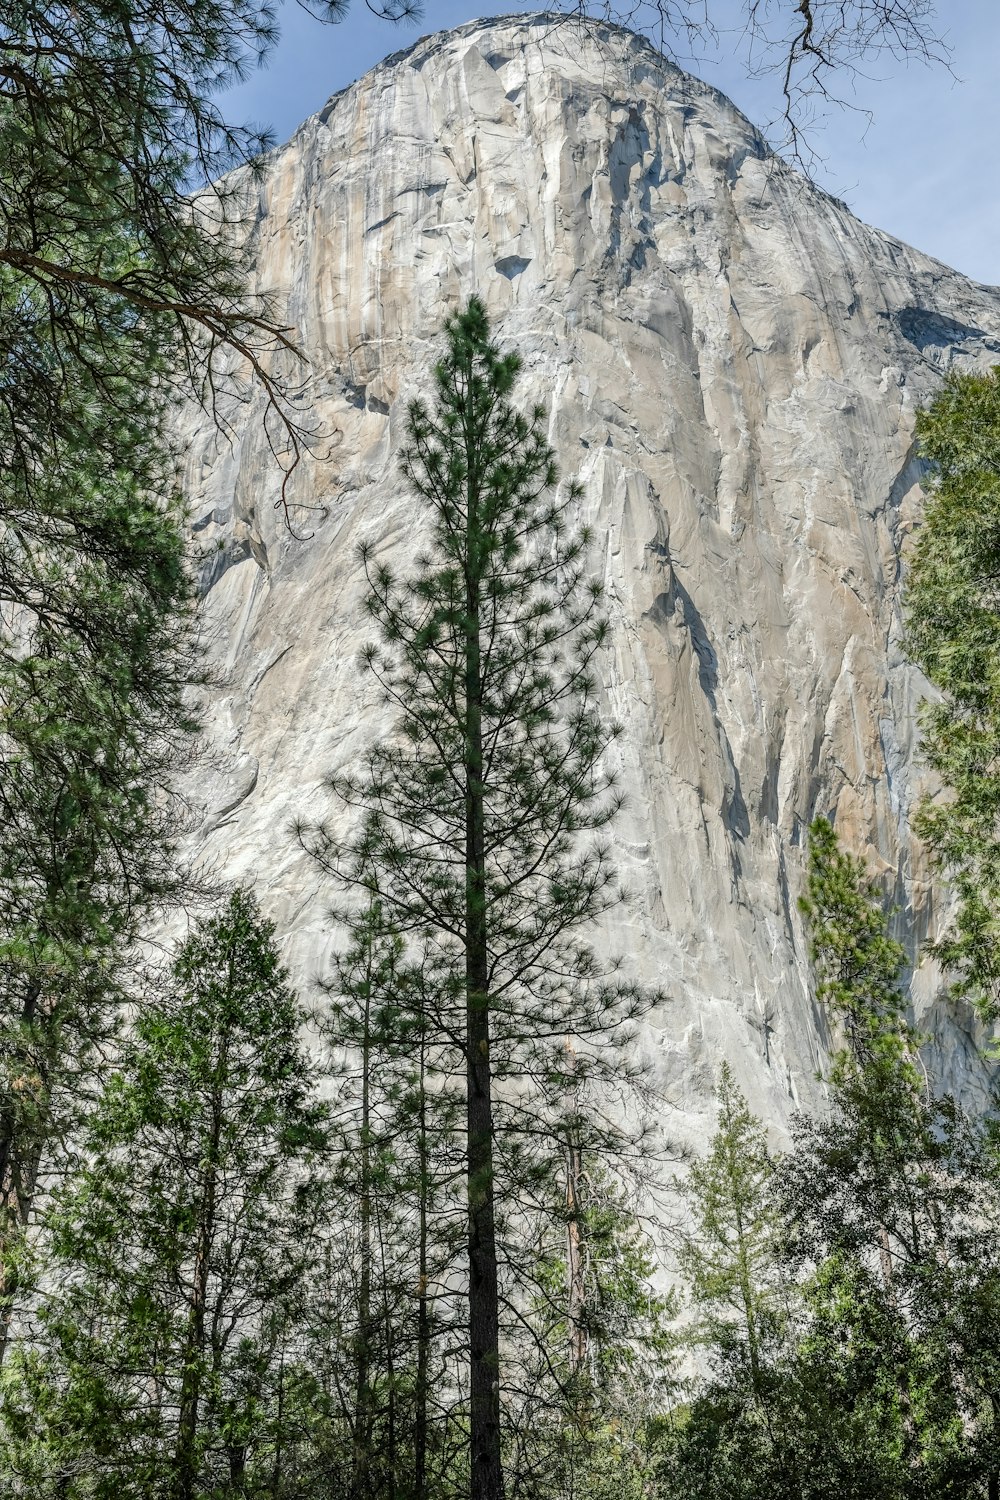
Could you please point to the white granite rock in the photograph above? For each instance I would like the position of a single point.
(731, 363)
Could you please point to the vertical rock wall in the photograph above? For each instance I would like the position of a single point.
(731, 364)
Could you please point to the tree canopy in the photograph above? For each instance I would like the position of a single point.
(953, 633)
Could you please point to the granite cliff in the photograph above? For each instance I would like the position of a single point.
(731, 363)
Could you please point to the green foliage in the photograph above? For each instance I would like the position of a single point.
(878, 1377)
(603, 1356)
(857, 964)
(765, 1420)
(118, 288)
(386, 1320)
(953, 633)
(888, 1198)
(892, 1208)
(91, 723)
(626, 1339)
(728, 1256)
(627, 1322)
(95, 654)
(481, 820)
(179, 1249)
(117, 285)
(538, 629)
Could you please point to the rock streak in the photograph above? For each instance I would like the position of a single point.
(731, 363)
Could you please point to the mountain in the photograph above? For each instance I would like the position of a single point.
(732, 364)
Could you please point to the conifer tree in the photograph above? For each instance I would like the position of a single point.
(857, 964)
(953, 634)
(889, 1196)
(859, 978)
(600, 1365)
(729, 1256)
(479, 815)
(180, 1248)
(396, 1175)
(119, 290)
(729, 1248)
(879, 1377)
(92, 724)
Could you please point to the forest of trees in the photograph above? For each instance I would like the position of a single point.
(395, 1240)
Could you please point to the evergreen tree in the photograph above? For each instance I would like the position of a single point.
(397, 1175)
(92, 722)
(118, 290)
(890, 1196)
(475, 815)
(858, 966)
(180, 1248)
(118, 284)
(878, 1377)
(734, 1431)
(729, 1257)
(953, 633)
(600, 1365)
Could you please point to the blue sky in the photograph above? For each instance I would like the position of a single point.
(926, 169)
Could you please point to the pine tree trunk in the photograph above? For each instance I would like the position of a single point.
(185, 1476)
(575, 1278)
(19, 1163)
(16, 1212)
(885, 1263)
(390, 1491)
(185, 1462)
(236, 1456)
(423, 1310)
(362, 1402)
(484, 1317)
(486, 1473)
(279, 1424)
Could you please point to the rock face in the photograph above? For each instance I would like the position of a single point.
(731, 364)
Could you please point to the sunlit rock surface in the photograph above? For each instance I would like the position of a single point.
(732, 364)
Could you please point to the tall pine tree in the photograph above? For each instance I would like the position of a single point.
(479, 814)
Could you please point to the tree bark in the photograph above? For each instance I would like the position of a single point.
(390, 1485)
(20, 1159)
(362, 1402)
(576, 1289)
(185, 1476)
(486, 1472)
(423, 1309)
(484, 1318)
(185, 1464)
